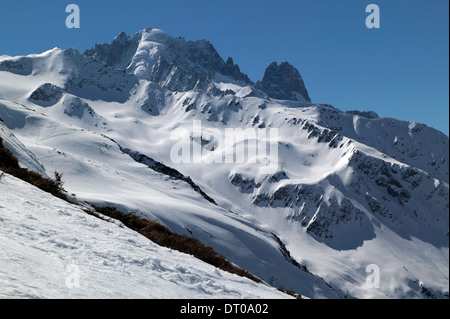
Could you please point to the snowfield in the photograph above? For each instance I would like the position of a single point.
(52, 249)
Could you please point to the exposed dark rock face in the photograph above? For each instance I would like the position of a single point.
(284, 82)
(174, 63)
(47, 94)
(233, 71)
(20, 66)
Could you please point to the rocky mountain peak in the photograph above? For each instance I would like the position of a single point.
(284, 82)
(178, 64)
(233, 70)
(174, 63)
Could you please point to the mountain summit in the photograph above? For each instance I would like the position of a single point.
(181, 65)
(175, 63)
(283, 82)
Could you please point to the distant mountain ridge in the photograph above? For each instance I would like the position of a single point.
(181, 65)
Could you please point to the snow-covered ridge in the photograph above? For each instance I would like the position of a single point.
(408, 142)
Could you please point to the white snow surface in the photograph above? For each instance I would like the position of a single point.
(53, 249)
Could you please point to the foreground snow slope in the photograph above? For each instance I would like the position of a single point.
(52, 249)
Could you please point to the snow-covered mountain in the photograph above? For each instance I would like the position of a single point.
(157, 125)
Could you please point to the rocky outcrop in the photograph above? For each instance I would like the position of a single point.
(232, 70)
(284, 82)
(46, 95)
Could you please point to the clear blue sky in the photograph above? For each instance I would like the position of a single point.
(400, 70)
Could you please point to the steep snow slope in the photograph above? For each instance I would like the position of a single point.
(51, 249)
(97, 170)
(26, 158)
(334, 191)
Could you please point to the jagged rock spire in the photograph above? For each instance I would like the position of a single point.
(284, 82)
